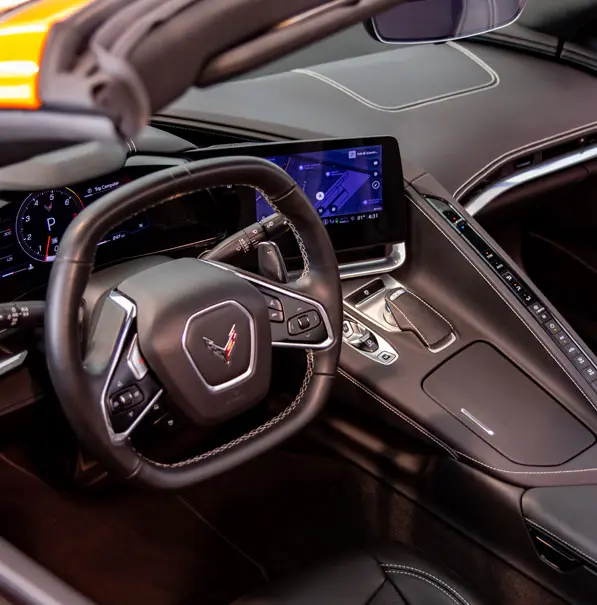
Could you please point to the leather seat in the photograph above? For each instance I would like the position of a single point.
(394, 575)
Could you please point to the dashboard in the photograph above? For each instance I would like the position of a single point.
(470, 116)
(355, 185)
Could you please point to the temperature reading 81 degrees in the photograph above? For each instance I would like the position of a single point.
(42, 220)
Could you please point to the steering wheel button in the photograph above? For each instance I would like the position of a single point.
(293, 327)
(276, 316)
(115, 405)
(273, 303)
(303, 322)
(135, 361)
(137, 394)
(125, 398)
(589, 373)
(123, 422)
(312, 335)
(314, 318)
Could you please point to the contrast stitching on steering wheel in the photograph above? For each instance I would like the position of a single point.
(256, 431)
(297, 235)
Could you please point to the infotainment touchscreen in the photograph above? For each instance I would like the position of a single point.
(344, 185)
(355, 185)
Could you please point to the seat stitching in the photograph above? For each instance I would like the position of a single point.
(418, 576)
(426, 573)
(574, 548)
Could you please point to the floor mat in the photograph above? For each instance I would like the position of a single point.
(124, 548)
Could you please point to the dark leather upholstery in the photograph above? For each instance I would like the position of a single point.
(390, 576)
(567, 515)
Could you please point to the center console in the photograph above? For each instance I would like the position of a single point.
(453, 337)
(507, 401)
(485, 364)
(448, 340)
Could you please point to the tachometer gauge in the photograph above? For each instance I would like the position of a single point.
(42, 220)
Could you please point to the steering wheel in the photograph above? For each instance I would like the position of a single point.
(196, 329)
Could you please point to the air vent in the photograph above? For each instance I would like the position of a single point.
(527, 161)
(524, 162)
(562, 149)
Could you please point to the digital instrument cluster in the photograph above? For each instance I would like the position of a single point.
(44, 216)
(33, 224)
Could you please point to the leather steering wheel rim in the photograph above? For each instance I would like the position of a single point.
(77, 386)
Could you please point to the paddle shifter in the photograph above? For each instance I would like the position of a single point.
(271, 263)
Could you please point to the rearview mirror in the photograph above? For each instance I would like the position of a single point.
(418, 21)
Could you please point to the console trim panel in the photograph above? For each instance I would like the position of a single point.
(487, 196)
(449, 214)
(377, 266)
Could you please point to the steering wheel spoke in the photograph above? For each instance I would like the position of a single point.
(129, 389)
(296, 319)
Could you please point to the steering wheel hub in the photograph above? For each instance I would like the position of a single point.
(232, 358)
(202, 329)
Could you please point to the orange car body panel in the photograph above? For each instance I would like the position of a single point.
(23, 35)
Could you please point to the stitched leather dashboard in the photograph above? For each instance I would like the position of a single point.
(536, 101)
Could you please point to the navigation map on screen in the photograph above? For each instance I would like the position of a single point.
(343, 185)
